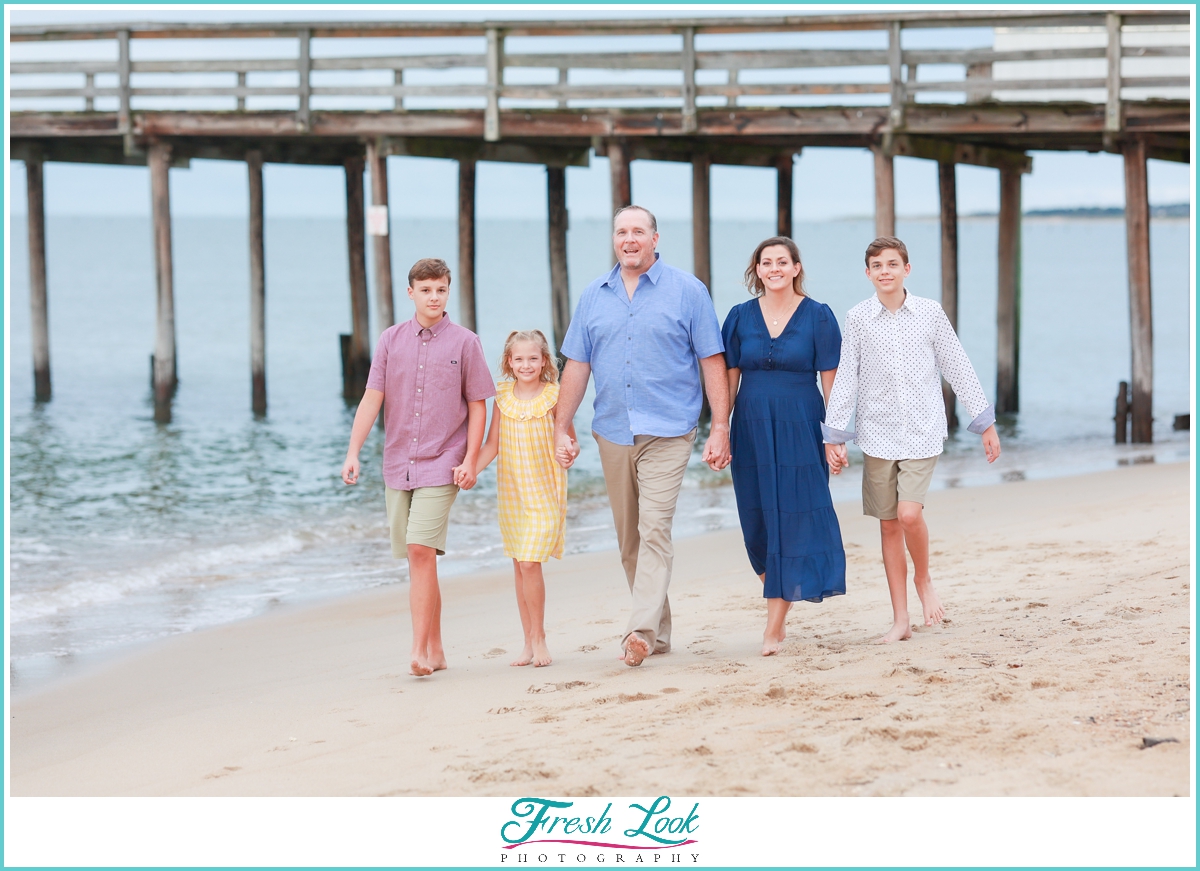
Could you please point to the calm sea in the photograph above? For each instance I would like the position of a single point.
(123, 530)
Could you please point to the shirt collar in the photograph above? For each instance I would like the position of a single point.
(653, 273)
(880, 307)
(435, 329)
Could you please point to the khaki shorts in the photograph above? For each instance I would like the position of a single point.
(419, 516)
(886, 482)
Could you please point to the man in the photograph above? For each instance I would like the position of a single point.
(640, 331)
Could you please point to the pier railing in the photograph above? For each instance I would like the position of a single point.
(681, 67)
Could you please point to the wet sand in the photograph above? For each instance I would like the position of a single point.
(1066, 645)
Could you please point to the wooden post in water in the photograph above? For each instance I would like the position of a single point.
(359, 351)
(1137, 230)
(381, 245)
(1008, 293)
(885, 194)
(258, 287)
(39, 322)
(618, 162)
(948, 196)
(701, 220)
(466, 244)
(560, 297)
(1121, 419)
(783, 195)
(165, 375)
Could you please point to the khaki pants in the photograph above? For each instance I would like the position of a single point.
(643, 481)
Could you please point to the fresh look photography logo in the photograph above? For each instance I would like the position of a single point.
(650, 833)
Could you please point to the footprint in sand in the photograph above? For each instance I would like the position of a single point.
(495, 651)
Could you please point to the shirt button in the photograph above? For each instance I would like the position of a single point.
(414, 440)
(424, 343)
(418, 414)
(420, 367)
(418, 390)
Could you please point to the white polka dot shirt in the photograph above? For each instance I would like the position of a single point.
(889, 370)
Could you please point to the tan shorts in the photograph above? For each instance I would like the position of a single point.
(886, 482)
(419, 516)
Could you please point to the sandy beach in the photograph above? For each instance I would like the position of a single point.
(1067, 645)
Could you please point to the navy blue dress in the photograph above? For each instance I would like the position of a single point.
(780, 475)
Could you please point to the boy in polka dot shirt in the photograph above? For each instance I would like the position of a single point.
(896, 348)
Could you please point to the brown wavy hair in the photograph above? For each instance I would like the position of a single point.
(754, 283)
(549, 365)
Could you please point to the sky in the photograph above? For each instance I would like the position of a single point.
(829, 183)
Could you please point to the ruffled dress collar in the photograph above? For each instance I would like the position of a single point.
(525, 409)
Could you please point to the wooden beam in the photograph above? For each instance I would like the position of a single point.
(549, 154)
(1008, 294)
(950, 151)
(1137, 230)
(359, 360)
(258, 287)
(948, 213)
(1112, 107)
(896, 110)
(165, 375)
(689, 80)
(783, 194)
(701, 222)
(495, 76)
(560, 296)
(466, 245)
(618, 161)
(885, 194)
(381, 245)
(124, 113)
(39, 324)
(304, 70)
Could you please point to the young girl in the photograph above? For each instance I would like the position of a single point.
(531, 488)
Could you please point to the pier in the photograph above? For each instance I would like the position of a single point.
(687, 90)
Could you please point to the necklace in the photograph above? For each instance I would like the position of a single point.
(775, 319)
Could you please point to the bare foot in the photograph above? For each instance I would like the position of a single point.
(930, 603)
(525, 657)
(636, 649)
(541, 654)
(438, 664)
(419, 668)
(899, 632)
(771, 645)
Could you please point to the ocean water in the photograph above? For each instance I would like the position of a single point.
(122, 530)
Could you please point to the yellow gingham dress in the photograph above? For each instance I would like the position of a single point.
(531, 487)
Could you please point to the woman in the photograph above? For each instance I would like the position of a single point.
(775, 344)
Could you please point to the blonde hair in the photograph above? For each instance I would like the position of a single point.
(537, 337)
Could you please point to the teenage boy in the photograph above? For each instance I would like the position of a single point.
(435, 379)
(893, 349)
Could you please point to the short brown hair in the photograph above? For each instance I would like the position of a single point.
(649, 214)
(883, 243)
(754, 283)
(427, 268)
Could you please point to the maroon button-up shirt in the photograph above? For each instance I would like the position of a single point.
(427, 376)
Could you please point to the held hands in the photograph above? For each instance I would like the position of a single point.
(991, 444)
(566, 449)
(716, 449)
(837, 457)
(464, 475)
(350, 469)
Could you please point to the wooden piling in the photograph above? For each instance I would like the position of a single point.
(948, 197)
(1137, 230)
(258, 285)
(359, 363)
(618, 162)
(560, 298)
(381, 245)
(1008, 293)
(1121, 419)
(39, 322)
(885, 194)
(701, 220)
(165, 375)
(783, 195)
(466, 244)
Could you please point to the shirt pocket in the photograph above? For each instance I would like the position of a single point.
(445, 377)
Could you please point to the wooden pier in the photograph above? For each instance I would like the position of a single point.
(533, 102)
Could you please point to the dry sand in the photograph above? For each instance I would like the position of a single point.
(1067, 643)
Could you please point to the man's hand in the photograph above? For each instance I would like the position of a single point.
(991, 444)
(716, 449)
(566, 449)
(350, 469)
(837, 457)
(464, 475)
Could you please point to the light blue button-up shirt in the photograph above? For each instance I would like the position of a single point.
(644, 352)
